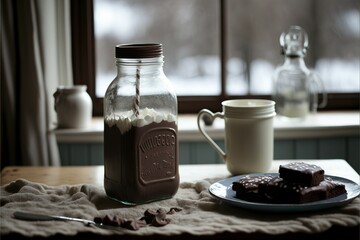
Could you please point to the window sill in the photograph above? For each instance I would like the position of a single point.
(320, 125)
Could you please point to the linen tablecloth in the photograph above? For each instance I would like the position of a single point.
(201, 213)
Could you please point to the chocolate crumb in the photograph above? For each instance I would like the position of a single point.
(156, 217)
(133, 224)
(112, 220)
(174, 210)
(160, 219)
(152, 217)
(98, 220)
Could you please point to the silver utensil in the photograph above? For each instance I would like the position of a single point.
(42, 217)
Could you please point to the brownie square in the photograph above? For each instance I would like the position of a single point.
(252, 188)
(281, 191)
(302, 173)
(332, 188)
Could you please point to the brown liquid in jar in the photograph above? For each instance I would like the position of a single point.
(141, 164)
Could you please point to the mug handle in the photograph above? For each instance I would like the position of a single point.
(212, 116)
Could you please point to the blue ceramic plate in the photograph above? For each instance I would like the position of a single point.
(223, 190)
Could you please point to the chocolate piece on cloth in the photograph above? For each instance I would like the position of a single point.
(118, 221)
(201, 215)
(302, 173)
(151, 217)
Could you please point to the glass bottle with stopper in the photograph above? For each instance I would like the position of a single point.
(296, 87)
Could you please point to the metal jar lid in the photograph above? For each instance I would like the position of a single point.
(142, 50)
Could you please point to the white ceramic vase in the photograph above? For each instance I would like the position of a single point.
(73, 106)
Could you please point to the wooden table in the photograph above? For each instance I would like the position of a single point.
(94, 175)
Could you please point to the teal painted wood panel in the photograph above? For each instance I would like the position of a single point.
(331, 148)
(184, 153)
(64, 154)
(284, 149)
(79, 154)
(306, 149)
(202, 152)
(353, 153)
(221, 144)
(96, 155)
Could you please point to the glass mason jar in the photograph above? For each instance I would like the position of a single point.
(140, 134)
(296, 87)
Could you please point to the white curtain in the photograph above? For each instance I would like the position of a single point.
(35, 59)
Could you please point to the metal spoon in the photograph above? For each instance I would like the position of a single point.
(42, 217)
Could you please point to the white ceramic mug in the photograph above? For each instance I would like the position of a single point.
(249, 134)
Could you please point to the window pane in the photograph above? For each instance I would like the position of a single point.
(337, 44)
(254, 51)
(188, 30)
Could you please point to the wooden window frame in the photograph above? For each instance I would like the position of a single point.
(83, 57)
